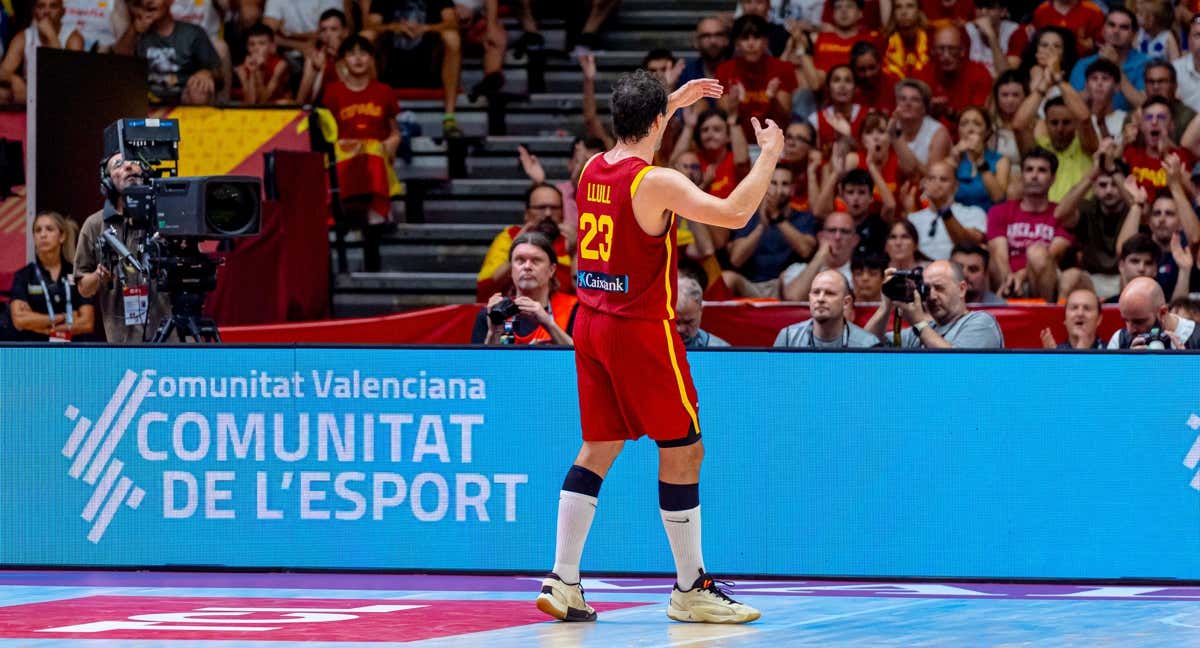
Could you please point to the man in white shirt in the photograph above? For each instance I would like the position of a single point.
(1187, 69)
(99, 21)
(946, 223)
(295, 21)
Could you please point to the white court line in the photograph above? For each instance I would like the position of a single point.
(1173, 620)
(750, 629)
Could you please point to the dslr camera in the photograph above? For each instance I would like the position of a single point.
(1155, 339)
(904, 285)
(503, 310)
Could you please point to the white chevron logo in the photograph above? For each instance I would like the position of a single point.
(91, 447)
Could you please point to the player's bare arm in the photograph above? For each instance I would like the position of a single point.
(664, 190)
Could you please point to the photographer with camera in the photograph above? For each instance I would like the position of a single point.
(536, 313)
(947, 324)
(1148, 323)
(128, 306)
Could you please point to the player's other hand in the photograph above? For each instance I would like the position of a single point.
(695, 90)
(770, 137)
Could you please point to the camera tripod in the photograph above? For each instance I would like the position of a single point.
(187, 321)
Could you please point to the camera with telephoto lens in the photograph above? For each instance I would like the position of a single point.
(503, 310)
(175, 214)
(904, 285)
(1156, 339)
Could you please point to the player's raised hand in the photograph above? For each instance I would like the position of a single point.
(695, 90)
(770, 137)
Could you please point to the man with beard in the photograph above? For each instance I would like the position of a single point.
(828, 301)
(1082, 319)
(712, 45)
(835, 245)
(1023, 237)
(946, 324)
(1096, 222)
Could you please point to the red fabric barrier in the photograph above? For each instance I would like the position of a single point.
(741, 324)
(282, 274)
(441, 325)
(251, 286)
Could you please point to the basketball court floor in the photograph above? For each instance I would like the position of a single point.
(218, 610)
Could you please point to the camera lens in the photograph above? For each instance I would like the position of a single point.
(230, 208)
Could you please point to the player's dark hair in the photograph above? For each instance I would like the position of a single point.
(638, 98)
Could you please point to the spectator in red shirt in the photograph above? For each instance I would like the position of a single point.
(948, 13)
(840, 117)
(1082, 17)
(1151, 145)
(906, 42)
(263, 76)
(958, 82)
(368, 136)
(1024, 239)
(879, 158)
(759, 84)
(832, 47)
(872, 11)
(875, 90)
(724, 154)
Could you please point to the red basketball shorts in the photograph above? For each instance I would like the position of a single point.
(634, 380)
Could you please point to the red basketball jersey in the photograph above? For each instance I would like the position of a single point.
(621, 270)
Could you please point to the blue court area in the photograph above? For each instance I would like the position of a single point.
(61, 608)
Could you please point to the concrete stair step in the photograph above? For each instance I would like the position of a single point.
(370, 305)
(408, 282)
(423, 258)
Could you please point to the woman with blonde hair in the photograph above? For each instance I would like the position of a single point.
(46, 304)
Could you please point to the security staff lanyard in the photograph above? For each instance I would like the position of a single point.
(37, 268)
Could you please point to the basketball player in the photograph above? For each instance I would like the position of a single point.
(633, 375)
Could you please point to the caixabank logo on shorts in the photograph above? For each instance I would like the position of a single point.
(90, 449)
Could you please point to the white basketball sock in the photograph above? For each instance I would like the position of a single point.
(575, 512)
(683, 533)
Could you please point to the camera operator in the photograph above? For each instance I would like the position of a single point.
(1148, 324)
(828, 302)
(537, 313)
(128, 304)
(947, 324)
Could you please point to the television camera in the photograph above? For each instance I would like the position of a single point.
(176, 214)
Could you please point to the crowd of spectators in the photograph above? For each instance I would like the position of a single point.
(1015, 152)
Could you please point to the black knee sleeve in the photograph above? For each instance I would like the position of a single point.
(583, 481)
